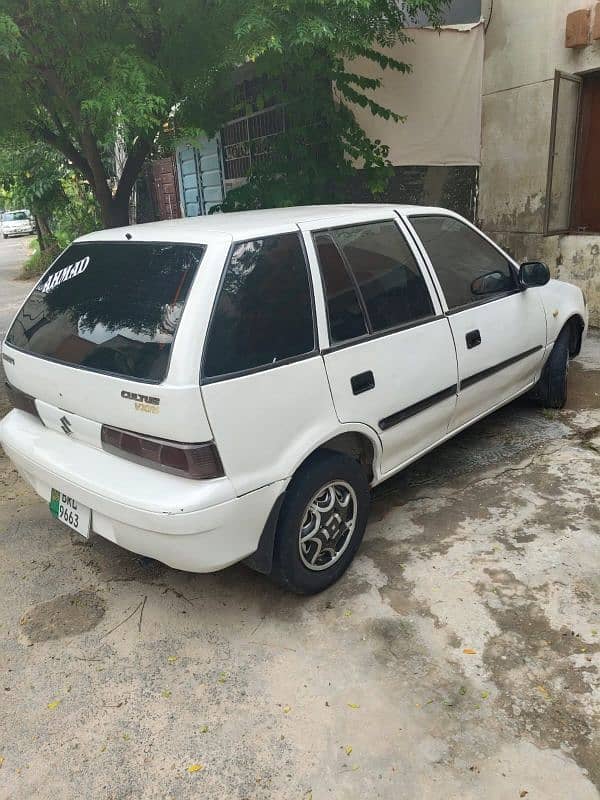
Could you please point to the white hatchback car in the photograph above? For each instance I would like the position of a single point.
(226, 388)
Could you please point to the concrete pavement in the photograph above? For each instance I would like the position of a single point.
(13, 253)
(458, 658)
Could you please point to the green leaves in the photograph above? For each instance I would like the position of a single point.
(10, 39)
(36, 177)
(314, 48)
(32, 173)
(84, 75)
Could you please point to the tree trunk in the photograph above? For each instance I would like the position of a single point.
(40, 235)
(44, 234)
(114, 211)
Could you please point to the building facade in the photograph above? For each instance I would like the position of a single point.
(435, 152)
(502, 124)
(540, 157)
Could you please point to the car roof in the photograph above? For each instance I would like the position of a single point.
(240, 225)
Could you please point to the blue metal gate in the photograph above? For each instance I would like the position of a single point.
(200, 170)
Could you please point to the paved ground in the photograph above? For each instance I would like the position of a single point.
(13, 253)
(458, 658)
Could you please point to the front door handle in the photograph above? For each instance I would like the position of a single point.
(363, 382)
(473, 339)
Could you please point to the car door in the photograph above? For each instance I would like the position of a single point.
(499, 329)
(391, 361)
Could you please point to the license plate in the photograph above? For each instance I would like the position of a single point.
(71, 512)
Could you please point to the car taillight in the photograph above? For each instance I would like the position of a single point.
(20, 400)
(199, 461)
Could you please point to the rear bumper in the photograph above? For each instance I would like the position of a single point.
(197, 526)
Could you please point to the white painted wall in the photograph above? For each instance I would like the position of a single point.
(525, 44)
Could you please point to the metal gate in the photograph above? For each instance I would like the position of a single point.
(200, 176)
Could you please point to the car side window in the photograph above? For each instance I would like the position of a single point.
(263, 314)
(381, 267)
(468, 267)
(346, 317)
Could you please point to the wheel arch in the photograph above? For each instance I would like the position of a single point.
(356, 440)
(362, 446)
(576, 326)
(355, 444)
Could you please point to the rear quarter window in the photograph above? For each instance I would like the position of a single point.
(110, 307)
(263, 315)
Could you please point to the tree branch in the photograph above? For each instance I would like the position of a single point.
(62, 141)
(67, 149)
(55, 86)
(131, 170)
(86, 137)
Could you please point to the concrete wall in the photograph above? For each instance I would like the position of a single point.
(525, 44)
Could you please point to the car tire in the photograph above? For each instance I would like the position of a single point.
(551, 390)
(321, 524)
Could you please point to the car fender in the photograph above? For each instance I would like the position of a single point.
(562, 301)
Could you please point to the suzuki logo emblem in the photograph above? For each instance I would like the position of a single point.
(65, 424)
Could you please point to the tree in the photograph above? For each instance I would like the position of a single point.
(32, 174)
(79, 74)
(36, 177)
(324, 155)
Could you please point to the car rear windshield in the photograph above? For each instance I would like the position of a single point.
(109, 307)
(14, 216)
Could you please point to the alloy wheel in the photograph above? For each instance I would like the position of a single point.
(328, 524)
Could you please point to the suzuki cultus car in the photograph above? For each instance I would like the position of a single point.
(226, 388)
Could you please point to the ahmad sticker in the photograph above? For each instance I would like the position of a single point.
(64, 274)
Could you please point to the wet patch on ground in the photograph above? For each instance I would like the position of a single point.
(461, 552)
(66, 615)
(502, 437)
(545, 678)
(584, 387)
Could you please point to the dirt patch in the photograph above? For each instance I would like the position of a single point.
(65, 615)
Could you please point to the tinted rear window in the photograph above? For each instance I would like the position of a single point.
(264, 311)
(110, 307)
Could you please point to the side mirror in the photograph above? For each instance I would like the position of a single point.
(533, 273)
(491, 283)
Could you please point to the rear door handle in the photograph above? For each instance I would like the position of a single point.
(363, 382)
(473, 339)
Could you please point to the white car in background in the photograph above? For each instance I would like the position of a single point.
(16, 223)
(226, 388)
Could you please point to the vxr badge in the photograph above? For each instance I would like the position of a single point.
(65, 424)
